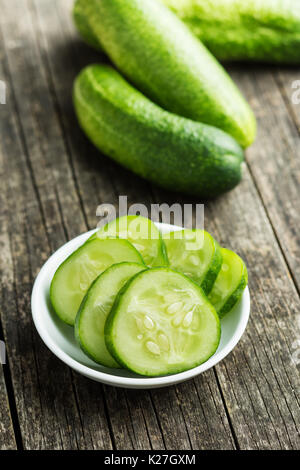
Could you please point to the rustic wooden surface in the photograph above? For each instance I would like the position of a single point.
(52, 180)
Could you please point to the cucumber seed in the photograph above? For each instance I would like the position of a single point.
(153, 347)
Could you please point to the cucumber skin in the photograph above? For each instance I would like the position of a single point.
(233, 30)
(110, 321)
(77, 326)
(171, 151)
(235, 296)
(213, 271)
(244, 30)
(82, 24)
(164, 252)
(157, 53)
(161, 256)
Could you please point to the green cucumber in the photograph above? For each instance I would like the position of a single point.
(142, 233)
(171, 151)
(82, 24)
(233, 30)
(230, 283)
(74, 276)
(158, 53)
(161, 323)
(196, 254)
(258, 30)
(95, 307)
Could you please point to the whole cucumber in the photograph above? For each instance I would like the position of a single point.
(242, 30)
(233, 30)
(171, 151)
(82, 24)
(158, 53)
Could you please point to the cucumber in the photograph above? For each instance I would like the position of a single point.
(159, 54)
(171, 151)
(74, 276)
(244, 30)
(142, 233)
(196, 254)
(82, 24)
(161, 323)
(96, 305)
(233, 30)
(230, 283)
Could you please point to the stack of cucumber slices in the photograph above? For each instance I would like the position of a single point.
(148, 302)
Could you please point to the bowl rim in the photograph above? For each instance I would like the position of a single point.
(115, 380)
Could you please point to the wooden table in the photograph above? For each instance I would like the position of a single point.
(52, 180)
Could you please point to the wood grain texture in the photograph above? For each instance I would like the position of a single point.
(52, 180)
(37, 165)
(260, 378)
(100, 180)
(7, 436)
(274, 159)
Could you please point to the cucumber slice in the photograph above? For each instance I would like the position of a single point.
(74, 276)
(142, 233)
(96, 305)
(230, 283)
(161, 323)
(196, 254)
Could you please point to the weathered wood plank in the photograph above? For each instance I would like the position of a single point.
(95, 190)
(7, 435)
(201, 415)
(288, 81)
(133, 419)
(132, 432)
(51, 175)
(260, 379)
(274, 159)
(46, 404)
(36, 412)
(274, 163)
(168, 426)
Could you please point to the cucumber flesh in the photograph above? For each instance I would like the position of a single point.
(161, 323)
(230, 283)
(142, 233)
(74, 276)
(196, 254)
(96, 305)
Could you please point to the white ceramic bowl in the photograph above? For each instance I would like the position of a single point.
(59, 337)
